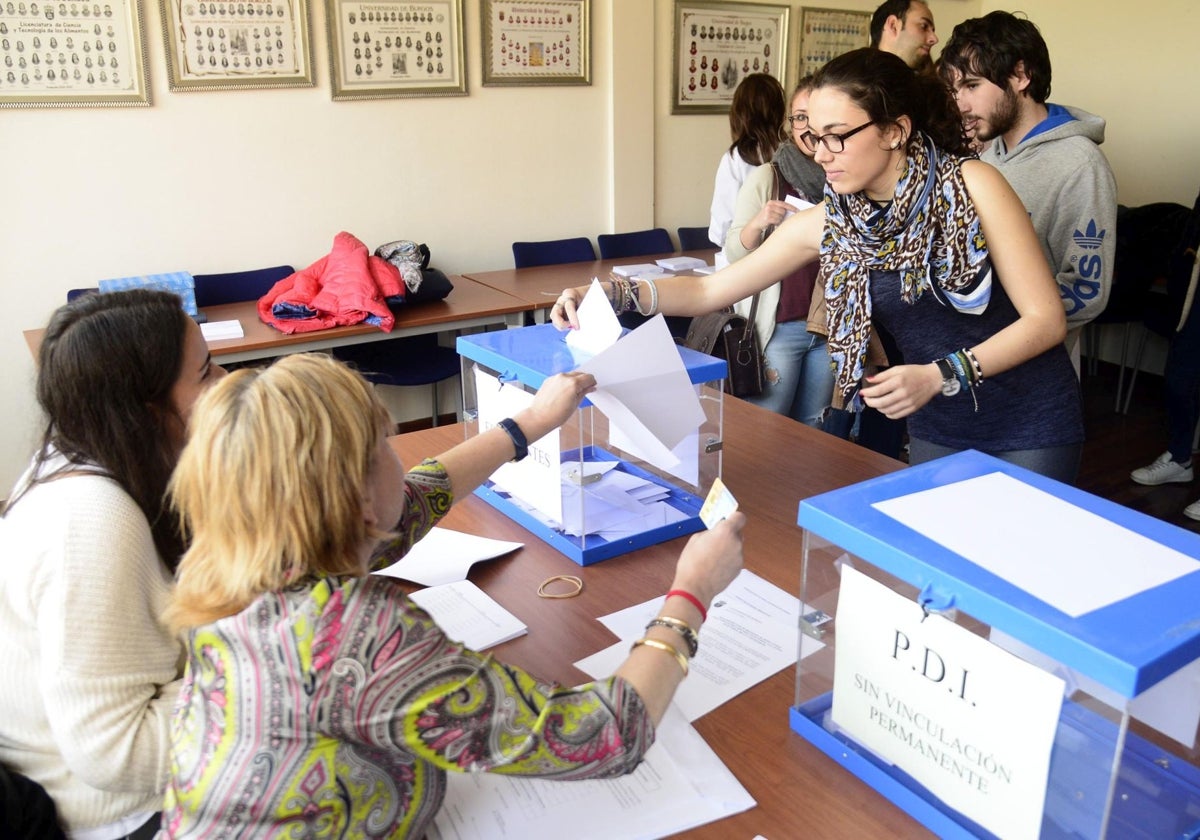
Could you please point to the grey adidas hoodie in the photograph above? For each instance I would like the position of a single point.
(1064, 181)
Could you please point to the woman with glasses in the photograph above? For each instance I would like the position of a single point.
(755, 116)
(790, 317)
(917, 240)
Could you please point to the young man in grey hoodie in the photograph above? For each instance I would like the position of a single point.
(998, 67)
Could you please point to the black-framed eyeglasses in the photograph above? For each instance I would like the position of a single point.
(831, 141)
(795, 120)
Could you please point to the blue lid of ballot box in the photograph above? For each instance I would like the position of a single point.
(1128, 645)
(532, 354)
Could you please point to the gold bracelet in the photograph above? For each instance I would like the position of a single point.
(682, 628)
(665, 648)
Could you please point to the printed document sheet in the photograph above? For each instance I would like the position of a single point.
(752, 632)
(681, 784)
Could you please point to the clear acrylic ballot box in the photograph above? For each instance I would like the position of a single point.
(1002, 655)
(596, 488)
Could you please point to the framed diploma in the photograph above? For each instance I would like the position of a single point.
(547, 43)
(72, 54)
(827, 33)
(717, 45)
(394, 48)
(221, 44)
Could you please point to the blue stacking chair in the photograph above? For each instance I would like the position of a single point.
(634, 244)
(553, 252)
(694, 239)
(237, 286)
(404, 362)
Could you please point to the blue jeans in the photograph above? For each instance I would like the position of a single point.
(1182, 380)
(1058, 462)
(799, 380)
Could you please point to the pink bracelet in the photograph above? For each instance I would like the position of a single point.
(688, 596)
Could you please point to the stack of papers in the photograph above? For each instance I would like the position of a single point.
(638, 270)
(681, 784)
(468, 615)
(682, 263)
(221, 330)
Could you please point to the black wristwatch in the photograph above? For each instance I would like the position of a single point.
(520, 444)
(950, 383)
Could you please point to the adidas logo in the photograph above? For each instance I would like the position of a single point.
(1090, 239)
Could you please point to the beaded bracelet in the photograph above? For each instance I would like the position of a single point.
(978, 368)
(625, 297)
(680, 627)
(665, 648)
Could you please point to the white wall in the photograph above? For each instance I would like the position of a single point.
(229, 180)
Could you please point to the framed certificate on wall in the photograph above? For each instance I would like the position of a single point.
(716, 45)
(382, 49)
(81, 54)
(547, 43)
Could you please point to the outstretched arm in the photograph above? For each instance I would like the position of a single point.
(795, 243)
(472, 461)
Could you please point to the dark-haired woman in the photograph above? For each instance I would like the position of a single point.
(756, 117)
(89, 551)
(919, 241)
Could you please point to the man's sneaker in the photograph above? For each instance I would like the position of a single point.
(1192, 511)
(1164, 471)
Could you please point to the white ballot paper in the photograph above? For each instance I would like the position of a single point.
(680, 784)
(1074, 560)
(444, 556)
(643, 387)
(752, 632)
(599, 328)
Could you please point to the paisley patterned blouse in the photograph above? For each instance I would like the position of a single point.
(334, 709)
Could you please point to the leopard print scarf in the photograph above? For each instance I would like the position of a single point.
(930, 234)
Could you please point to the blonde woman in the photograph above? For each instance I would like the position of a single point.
(319, 700)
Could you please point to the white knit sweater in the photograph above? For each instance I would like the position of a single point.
(88, 676)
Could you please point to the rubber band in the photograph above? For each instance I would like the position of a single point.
(542, 593)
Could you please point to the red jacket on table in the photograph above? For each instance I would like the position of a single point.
(347, 286)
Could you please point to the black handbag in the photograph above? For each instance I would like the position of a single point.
(731, 337)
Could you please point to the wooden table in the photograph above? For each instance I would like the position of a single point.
(540, 285)
(770, 464)
(470, 305)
